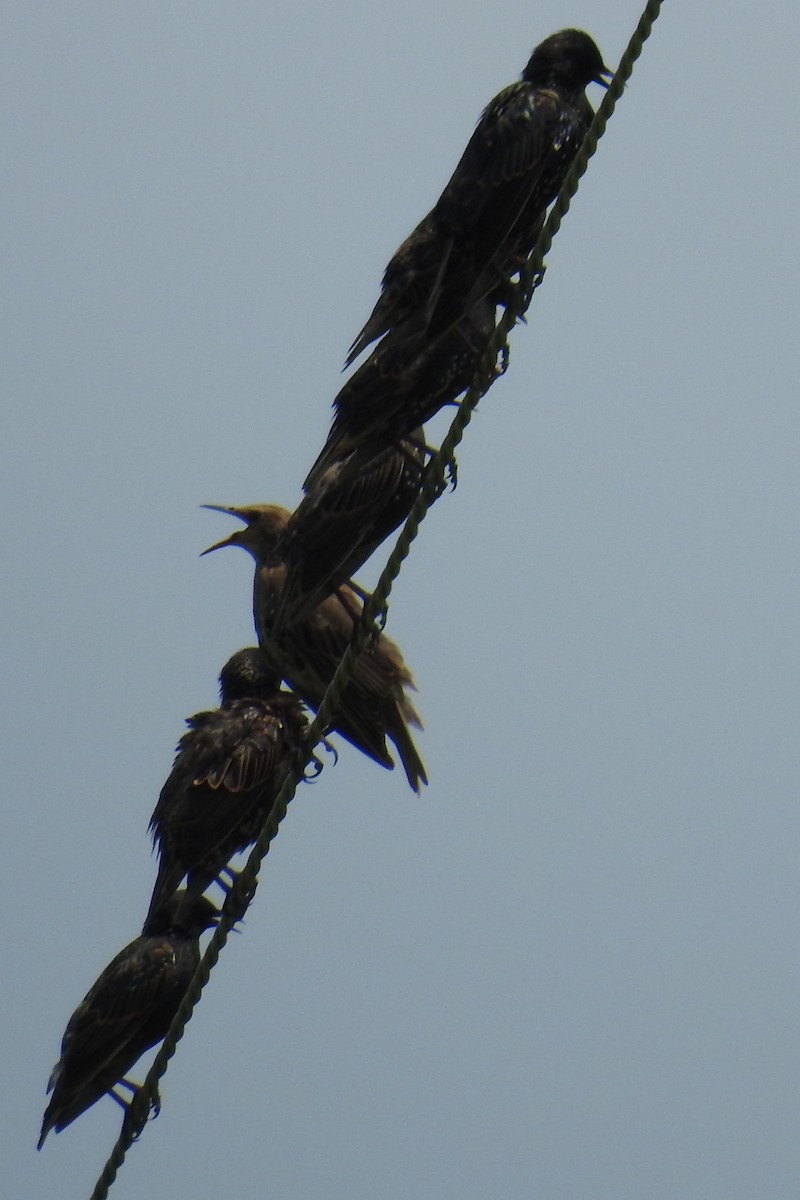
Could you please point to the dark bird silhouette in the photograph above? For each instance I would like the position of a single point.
(486, 220)
(355, 503)
(391, 394)
(374, 704)
(229, 768)
(127, 1011)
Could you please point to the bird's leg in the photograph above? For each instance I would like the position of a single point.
(538, 277)
(418, 444)
(451, 472)
(507, 294)
(227, 878)
(362, 594)
(355, 614)
(133, 1088)
(237, 895)
(133, 1108)
(430, 451)
(426, 448)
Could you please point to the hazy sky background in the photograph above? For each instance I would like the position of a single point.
(570, 969)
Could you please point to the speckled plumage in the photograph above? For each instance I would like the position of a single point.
(128, 1010)
(487, 218)
(399, 388)
(229, 767)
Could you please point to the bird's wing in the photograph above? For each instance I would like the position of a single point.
(115, 1009)
(508, 146)
(335, 516)
(233, 750)
(247, 751)
(313, 650)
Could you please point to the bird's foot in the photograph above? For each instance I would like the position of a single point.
(139, 1108)
(315, 764)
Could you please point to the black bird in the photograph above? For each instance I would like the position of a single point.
(374, 705)
(352, 507)
(486, 220)
(229, 768)
(127, 1011)
(392, 393)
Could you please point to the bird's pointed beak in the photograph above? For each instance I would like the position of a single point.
(235, 538)
(604, 76)
(226, 508)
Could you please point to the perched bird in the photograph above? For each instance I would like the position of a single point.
(486, 220)
(127, 1011)
(361, 497)
(391, 393)
(229, 768)
(374, 704)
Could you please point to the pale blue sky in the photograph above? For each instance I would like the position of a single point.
(570, 968)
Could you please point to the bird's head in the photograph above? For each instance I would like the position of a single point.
(263, 526)
(247, 675)
(569, 58)
(180, 914)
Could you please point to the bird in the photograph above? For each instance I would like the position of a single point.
(487, 219)
(374, 705)
(128, 1010)
(394, 392)
(229, 767)
(351, 508)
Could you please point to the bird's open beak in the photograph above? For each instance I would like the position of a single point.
(604, 77)
(235, 538)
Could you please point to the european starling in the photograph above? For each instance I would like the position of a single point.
(362, 496)
(486, 220)
(374, 705)
(229, 768)
(127, 1011)
(390, 394)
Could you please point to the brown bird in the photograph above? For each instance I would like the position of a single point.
(374, 704)
(352, 507)
(128, 1010)
(229, 768)
(486, 220)
(391, 393)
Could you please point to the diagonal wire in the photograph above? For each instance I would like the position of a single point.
(376, 606)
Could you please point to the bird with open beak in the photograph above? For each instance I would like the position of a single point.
(374, 705)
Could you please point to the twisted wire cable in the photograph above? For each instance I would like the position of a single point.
(376, 606)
